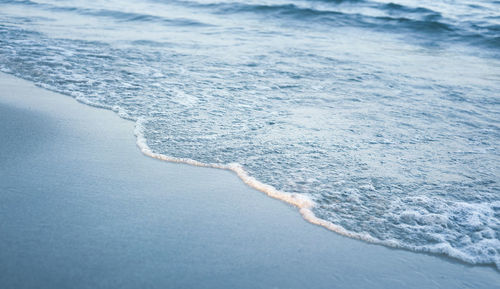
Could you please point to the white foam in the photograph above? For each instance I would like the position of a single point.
(300, 201)
(305, 205)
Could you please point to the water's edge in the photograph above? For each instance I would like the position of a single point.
(303, 203)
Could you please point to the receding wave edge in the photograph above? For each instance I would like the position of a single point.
(302, 202)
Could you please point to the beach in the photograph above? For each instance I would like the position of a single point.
(81, 207)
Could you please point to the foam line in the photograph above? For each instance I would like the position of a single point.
(300, 201)
(304, 203)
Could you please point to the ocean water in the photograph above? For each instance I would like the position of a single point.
(380, 120)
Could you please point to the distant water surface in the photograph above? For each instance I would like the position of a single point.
(384, 114)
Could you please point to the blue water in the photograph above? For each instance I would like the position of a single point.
(386, 115)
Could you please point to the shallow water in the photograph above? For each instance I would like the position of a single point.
(385, 115)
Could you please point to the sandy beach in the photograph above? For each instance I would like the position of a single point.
(81, 207)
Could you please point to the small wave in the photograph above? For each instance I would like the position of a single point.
(417, 25)
(290, 10)
(398, 18)
(115, 14)
(429, 23)
(25, 2)
(133, 17)
(301, 13)
(393, 7)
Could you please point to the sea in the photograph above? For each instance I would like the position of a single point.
(379, 120)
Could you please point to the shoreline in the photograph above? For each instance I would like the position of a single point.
(110, 146)
(302, 203)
